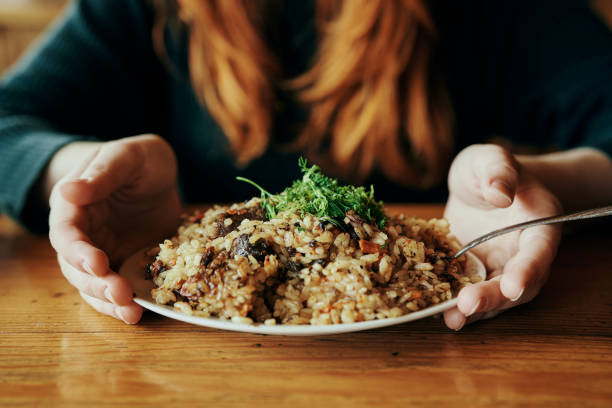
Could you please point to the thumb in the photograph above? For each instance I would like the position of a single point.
(115, 165)
(484, 176)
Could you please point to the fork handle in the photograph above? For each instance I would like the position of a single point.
(580, 215)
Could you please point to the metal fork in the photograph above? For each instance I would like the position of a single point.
(580, 215)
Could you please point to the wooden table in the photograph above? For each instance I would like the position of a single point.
(553, 352)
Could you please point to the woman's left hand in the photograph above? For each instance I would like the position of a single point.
(490, 190)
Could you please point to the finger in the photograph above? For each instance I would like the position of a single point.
(73, 173)
(114, 166)
(75, 169)
(484, 176)
(67, 224)
(143, 162)
(481, 297)
(130, 314)
(528, 269)
(454, 319)
(67, 236)
(83, 281)
(523, 277)
(112, 287)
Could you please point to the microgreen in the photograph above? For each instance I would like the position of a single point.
(323, 197)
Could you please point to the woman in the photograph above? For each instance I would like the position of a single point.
(388, 92)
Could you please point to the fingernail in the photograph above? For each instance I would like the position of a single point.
(518, 296)
(88, 268)
(108, 294)
(120, 314)
(81, 180)
(503, 188)
(474, 309)
(461, 325)
(508, 287)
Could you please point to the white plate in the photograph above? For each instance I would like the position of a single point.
(133, 271)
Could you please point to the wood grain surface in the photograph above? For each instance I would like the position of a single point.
(57, 351)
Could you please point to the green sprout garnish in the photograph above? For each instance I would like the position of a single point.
(323, 197)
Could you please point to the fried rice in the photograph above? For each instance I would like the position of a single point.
(232, 263)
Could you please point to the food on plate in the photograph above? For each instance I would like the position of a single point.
(316, 253)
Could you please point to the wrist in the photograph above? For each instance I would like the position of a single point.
(581, 178)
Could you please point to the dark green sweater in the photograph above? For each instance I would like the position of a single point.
(538, 73)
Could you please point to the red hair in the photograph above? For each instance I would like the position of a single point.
(372, 100)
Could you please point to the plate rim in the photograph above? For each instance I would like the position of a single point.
(130, 268)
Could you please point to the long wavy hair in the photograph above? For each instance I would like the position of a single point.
(372, 98)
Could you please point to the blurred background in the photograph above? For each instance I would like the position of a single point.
(21, 21)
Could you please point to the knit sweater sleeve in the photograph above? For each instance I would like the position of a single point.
(93, 76)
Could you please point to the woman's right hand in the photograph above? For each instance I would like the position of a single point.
(112, 203)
